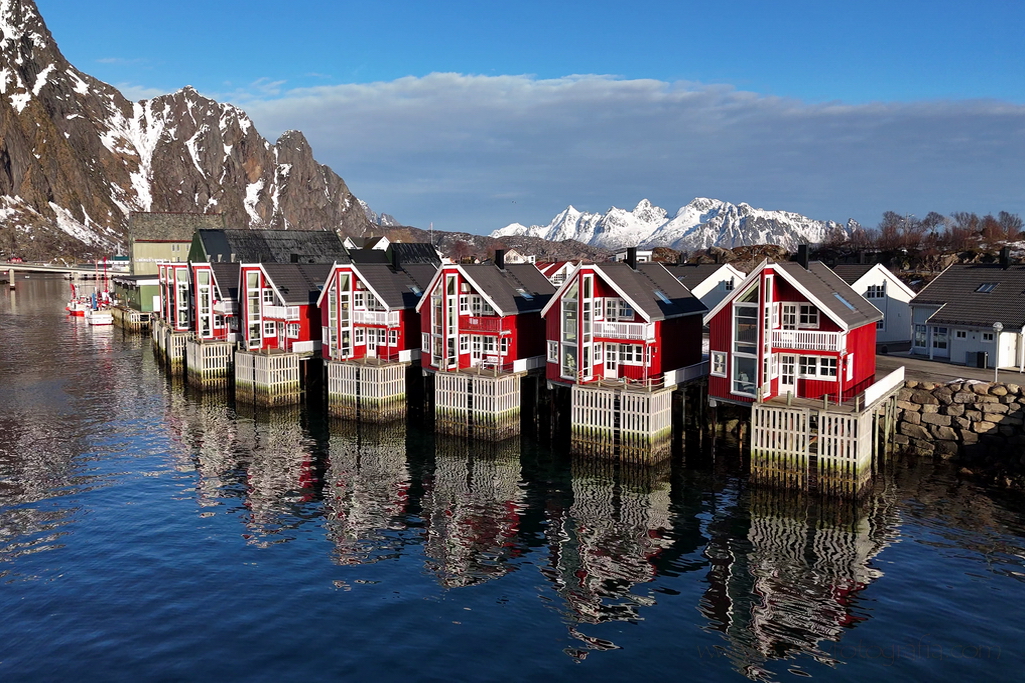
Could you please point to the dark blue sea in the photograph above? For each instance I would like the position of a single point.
(151, 534)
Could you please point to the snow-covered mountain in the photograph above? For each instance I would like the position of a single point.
(701, 224)
(76, 156)
(385, 220)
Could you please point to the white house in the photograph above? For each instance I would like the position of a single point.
(956, 316)
(709, 282)
(643, 255)
(885, 291)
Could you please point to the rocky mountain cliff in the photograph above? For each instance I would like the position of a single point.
(76, 156)
(701, 224)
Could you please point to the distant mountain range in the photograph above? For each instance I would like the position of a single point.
(701, 224)
(76, 156)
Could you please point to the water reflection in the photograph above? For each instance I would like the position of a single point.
(472, 510)
(366, 490)
(794, 578)
(609, 542)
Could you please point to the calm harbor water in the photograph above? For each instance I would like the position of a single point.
(147, 533)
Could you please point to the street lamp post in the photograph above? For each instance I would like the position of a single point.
(997, 328)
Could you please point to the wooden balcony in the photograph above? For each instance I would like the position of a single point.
(483, 324)
(226, 307)
(609, 330)
(386, 318)
(287, 313)
(807, 340)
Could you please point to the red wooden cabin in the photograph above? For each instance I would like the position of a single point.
(369, 310)
(632, 321)
(175, 295)
(278, 305)
(791, 328)
(484, 315)
(215, 301)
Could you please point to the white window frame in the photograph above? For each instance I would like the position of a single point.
(717, 368)
(269, 329)
(986, 336)
(464, 343)
(961, 334)
(553, 351)
(358, 337)
(292, 330)
(809, 313)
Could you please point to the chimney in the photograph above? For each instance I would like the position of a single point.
(500, 258)
(802, 255)
(293, 258)
(393, 256)
(631, 257)
(1005, 258)
(861, 257)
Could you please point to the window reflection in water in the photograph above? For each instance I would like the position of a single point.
(792, 585)
(472, 510)
(366, 491)
(608, 543)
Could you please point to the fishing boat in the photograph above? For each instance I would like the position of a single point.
(100, 316)
(78, 304)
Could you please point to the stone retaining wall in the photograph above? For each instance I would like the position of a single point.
(970, 420)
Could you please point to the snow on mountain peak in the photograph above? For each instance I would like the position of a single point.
(702, 223)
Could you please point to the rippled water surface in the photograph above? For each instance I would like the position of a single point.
(147, 533)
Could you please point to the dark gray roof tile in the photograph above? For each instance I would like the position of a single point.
(957, 291)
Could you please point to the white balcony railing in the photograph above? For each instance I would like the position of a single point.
(483, 324)
(281, 312)
(608, 330)
(807, 340)
(388, 318)
(226, 307)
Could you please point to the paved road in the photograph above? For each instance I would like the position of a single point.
(932, 371)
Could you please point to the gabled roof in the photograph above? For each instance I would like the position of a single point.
(640, 289)
(851, 273)
(414, 252)
(394, 288)
(226, 275)
(268, 246)
(520, 288)
(956, 291)
(298, 284)
(368, 256)
(693, 274)
(821, 286)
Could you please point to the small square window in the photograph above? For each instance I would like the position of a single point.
(553, 352)
(987, 336)
(718, 368)
(961, 334)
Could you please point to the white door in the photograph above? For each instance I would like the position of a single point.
(1008, 350)
(611, 361)
(476, 351)
(787, 374)
(281, 335)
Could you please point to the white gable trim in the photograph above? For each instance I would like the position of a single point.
(890, 277)
(430, 287)
(480, 290)
(620, 292)
(565, 285)
(755, 274)
(366, 284)
(459, 269)
(330, 278)
(813, 299)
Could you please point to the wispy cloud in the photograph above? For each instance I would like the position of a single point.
(477, 152)
(139, 92)
(120, 60)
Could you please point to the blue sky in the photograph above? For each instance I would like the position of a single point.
(474, 115)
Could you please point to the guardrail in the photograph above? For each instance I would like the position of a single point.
(388, 318)
(281, 312)
(610, 330)
(807, 340)
(483, 324)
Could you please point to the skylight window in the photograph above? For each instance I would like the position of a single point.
(524, 293)
(844, 301)
(987, 287)
(416, 290)
(662, 295)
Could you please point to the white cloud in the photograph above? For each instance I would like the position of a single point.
(477, 152)
(139, 92)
